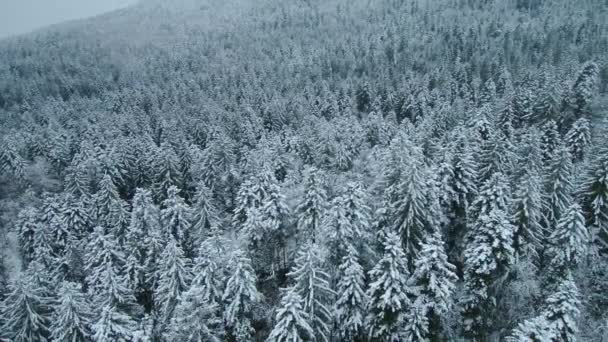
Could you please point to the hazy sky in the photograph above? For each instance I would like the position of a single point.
(21, 16)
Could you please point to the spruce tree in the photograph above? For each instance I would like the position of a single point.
(105, 279)
(558, 320)
(578, 138)
(176, 220)
(143, 246)
(312, 284)
(27, 229)
(351, 303)
(240, 295)
(113, 326)
(389, 292)
(488, 257)
(24, 312)
(559, 187)
(594, 195)
(195, 318)
(72, 318)
(292, 320)
(529, 214)
(569, 241)
(311, 209)
(173, 279)
(110, 210)
(436, 281)
(205, 215)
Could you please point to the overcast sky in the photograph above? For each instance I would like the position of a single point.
(22, 16)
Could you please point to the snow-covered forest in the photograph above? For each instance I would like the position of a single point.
(308, 170)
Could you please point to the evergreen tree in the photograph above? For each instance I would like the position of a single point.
(312, 208)
(76, 216)
(205, 214)
(410, 205)
(594, 194)
(24, 312)
(165, 171)
(143, 246)
(240, 294)
(176, 220)
(173, 280)
(27, 229)
(584, 87)
(72, 316)
(312, 284)
(209, 269)
(389, 292)
(559, 187)
(111, 210)
(195, 318)
(488, 256)
(105, 279)
(529, 214)
(557, 321)
(436, 280)
(292, 321)
(417, 326)
(352, 300)
(113, 326)
(578, 138)
(569, 240)
(550, 140)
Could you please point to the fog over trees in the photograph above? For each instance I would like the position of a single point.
(318, 170)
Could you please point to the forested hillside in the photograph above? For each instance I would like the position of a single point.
(308, 170)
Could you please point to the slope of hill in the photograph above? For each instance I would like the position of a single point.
(203, 170)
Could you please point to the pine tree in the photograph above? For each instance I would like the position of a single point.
(494, 194)
(72, 318)
(410, 205)
(76, 216)
(176, 219)
(173, 279)
(436, 280)
(488, 93)
(352, 300)
(195, 319)
(24, 313)
(550, 140)
(111, 210)
(578, 138)
(312, 284)
(113, 326)
(416, 328)
(209, 269)
(312, 208)
(584, 87)
(240, 294)
(104, 266)
(389, 292)
(569, 240)
(529, 214)
(488, 256)
(292, 321)
(341, 235)
(142, 243)
(557, 321)
(27, 228)
(204, 212)
(559, 188)
(594, 194)
(166, 172)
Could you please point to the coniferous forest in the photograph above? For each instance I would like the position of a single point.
(307, 170)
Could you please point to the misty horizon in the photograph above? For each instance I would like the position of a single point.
(19, 17)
